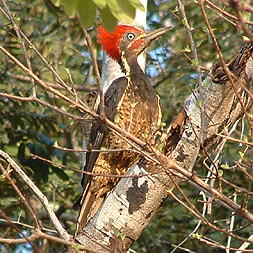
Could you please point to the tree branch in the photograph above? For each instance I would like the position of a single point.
(63, 233)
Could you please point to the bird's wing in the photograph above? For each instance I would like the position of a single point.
(98, 131)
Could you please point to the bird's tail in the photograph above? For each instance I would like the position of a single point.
(87, 200)
(90, 202)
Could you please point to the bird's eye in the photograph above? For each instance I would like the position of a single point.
(130, 36)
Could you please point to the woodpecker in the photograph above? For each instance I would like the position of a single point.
(132, 104)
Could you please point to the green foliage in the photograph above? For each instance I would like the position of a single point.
(110, 10)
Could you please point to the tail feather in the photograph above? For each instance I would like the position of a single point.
(90, 203)
(96, 205)
(87, 200)
(91, 200)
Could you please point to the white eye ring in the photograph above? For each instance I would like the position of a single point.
(130, 36)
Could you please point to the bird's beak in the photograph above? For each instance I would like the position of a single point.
(153, 35)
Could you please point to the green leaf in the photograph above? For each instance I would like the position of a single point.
(137, 4)
(220, 173)
(87, 12)
(56, 2)
(60, 173)
(199, 43)
(195, 62)
(70, 7)
(225, 166)
(109, 21)
(187, 49)
(127, 8)
(116, 7)
(197, 236)
(100, 3)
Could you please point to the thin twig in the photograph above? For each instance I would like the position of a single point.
(236, 140)
(229, 74)
(22, 197)
(193, 46)
(224, 13)
(241, 4)
(241, 22)
(27, 226)
(245, 245)
(204, 220)
(212, 243)
(39, 101)
(231, 226)
(37, 234)
(30, 238)
(17, 30)
(53, 85)
(58, 78)
(25, 237)
(95, 174)
(97, 73)
(63, 233)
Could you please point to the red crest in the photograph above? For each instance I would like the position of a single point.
(110, 40)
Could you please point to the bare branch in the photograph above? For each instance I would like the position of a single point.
(6, 173)
(10, 17)
(189, 30)
(63, 233)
